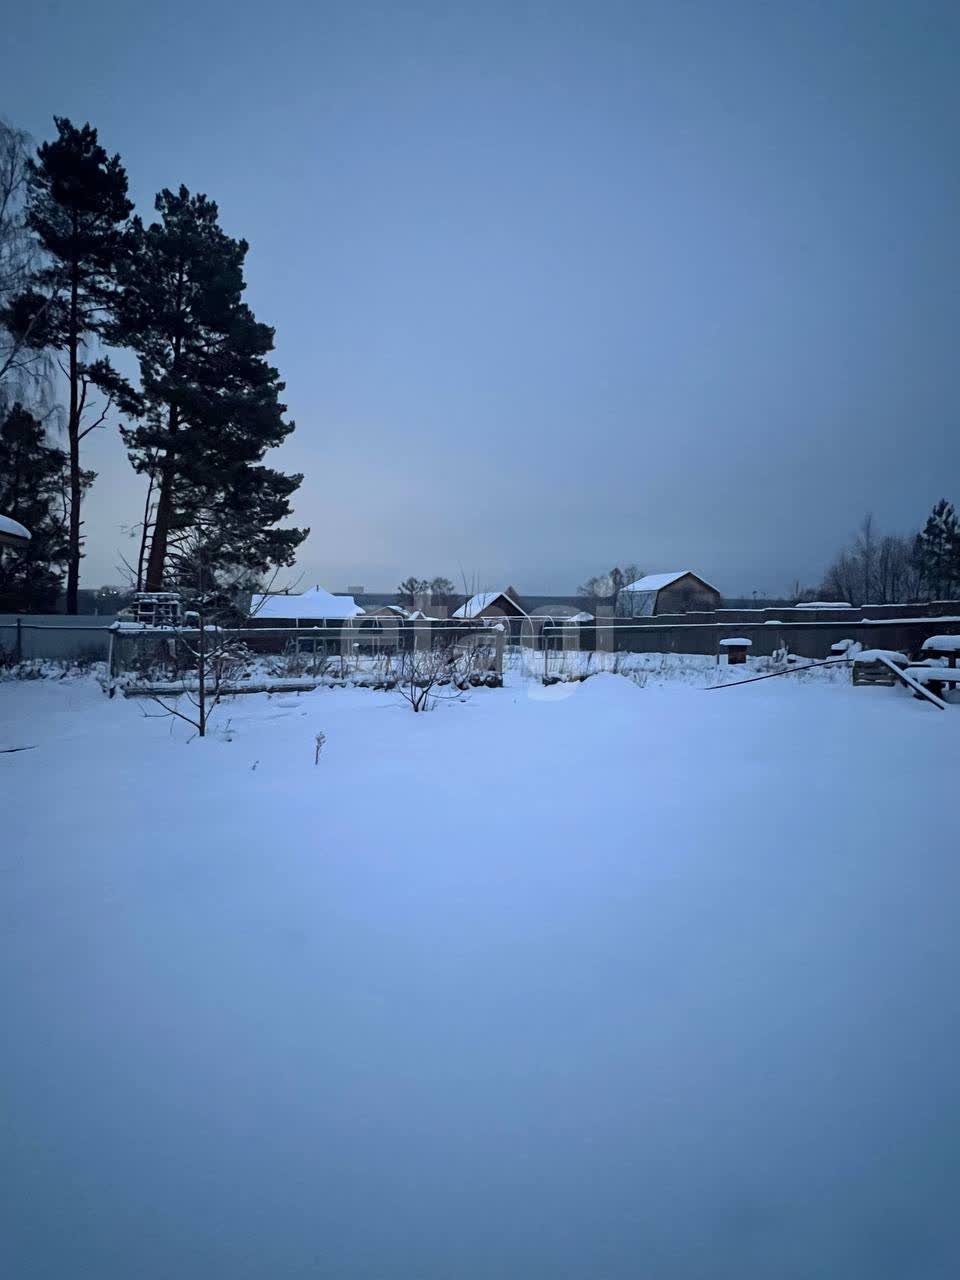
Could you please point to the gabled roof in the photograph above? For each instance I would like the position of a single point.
(397, 610)
(657, 581)
(553, 611)
(308, 605)
(483, 600)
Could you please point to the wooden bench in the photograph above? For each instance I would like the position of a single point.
(917, 689)
(942, 647)
(936, 678)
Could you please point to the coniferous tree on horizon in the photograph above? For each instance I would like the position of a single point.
(78, 210)
(937, 550)
(210, 400)
(33, 489)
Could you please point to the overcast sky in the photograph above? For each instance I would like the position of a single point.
(557, 285)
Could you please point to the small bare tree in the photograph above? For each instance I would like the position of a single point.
(216, 655)
(430, 672)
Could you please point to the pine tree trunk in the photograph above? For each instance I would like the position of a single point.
(145, 534)
(202, 656)
(73, 432)
(161, 533)
(161, 525)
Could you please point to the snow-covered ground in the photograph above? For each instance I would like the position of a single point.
(597, 980)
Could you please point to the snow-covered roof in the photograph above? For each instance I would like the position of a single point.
(561, 611)
(947, 644)
(12, 532)
(308, 604)
(395, 610)
(657, 581)
(741, 642)
(824, 604)
(482, 600)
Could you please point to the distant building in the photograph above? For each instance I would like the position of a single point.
(679, 592)
(387, 612)
(492, 604)
(309, 608)
(561, 612)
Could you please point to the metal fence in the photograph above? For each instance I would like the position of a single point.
(55, 636)
(63, 638)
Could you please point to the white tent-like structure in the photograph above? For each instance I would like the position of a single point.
(13, 533)
(309, 606)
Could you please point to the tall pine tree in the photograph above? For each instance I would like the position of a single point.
(938, 551)
(211, 401)
(34, 482)
(77, 208)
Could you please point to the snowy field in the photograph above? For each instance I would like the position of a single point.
(597, 981)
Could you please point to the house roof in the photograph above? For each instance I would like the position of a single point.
(657, 581)
(483, 600)
(397, 610)
(12, 532)
(309, 604)
(554, 611)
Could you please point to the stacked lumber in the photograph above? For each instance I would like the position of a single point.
(873, 666)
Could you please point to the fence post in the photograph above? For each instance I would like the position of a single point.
(19, 648)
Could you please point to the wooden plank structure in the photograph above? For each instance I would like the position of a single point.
(873, 666)
(874, 672)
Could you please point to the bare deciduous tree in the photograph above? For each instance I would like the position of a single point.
(604, 588)
(444, 665)
(23, 369)
(216, 655)
(874, 569)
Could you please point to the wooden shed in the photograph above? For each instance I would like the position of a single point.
(680, 591)
(492, 604)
